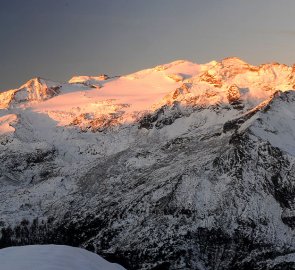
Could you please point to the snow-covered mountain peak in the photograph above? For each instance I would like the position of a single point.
(36, 89)
(164, 168)
(233, 61)
(95, 102)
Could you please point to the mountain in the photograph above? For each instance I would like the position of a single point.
(181, 166)
(50, 257)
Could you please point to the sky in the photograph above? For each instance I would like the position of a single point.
(57, 39)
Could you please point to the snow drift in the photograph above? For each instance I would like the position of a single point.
(48, 257)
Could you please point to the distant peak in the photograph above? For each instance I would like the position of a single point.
(172, 64)
(35, 89)
(233, 61)
(89, 79)
(33, 81)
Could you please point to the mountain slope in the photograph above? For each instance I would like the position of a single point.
(182, 166)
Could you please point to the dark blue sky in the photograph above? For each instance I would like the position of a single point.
(59, 38)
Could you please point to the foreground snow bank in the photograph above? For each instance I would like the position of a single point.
(48, 257)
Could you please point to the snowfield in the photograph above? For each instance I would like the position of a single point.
(49, 257)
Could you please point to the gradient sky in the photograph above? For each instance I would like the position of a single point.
(56, 39)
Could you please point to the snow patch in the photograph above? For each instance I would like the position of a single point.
(48, 257)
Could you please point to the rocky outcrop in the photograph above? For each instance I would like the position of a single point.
(233, 94)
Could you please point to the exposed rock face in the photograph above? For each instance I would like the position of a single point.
(6, 98)
(233, 94)
(204, 178)
(211, 79)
